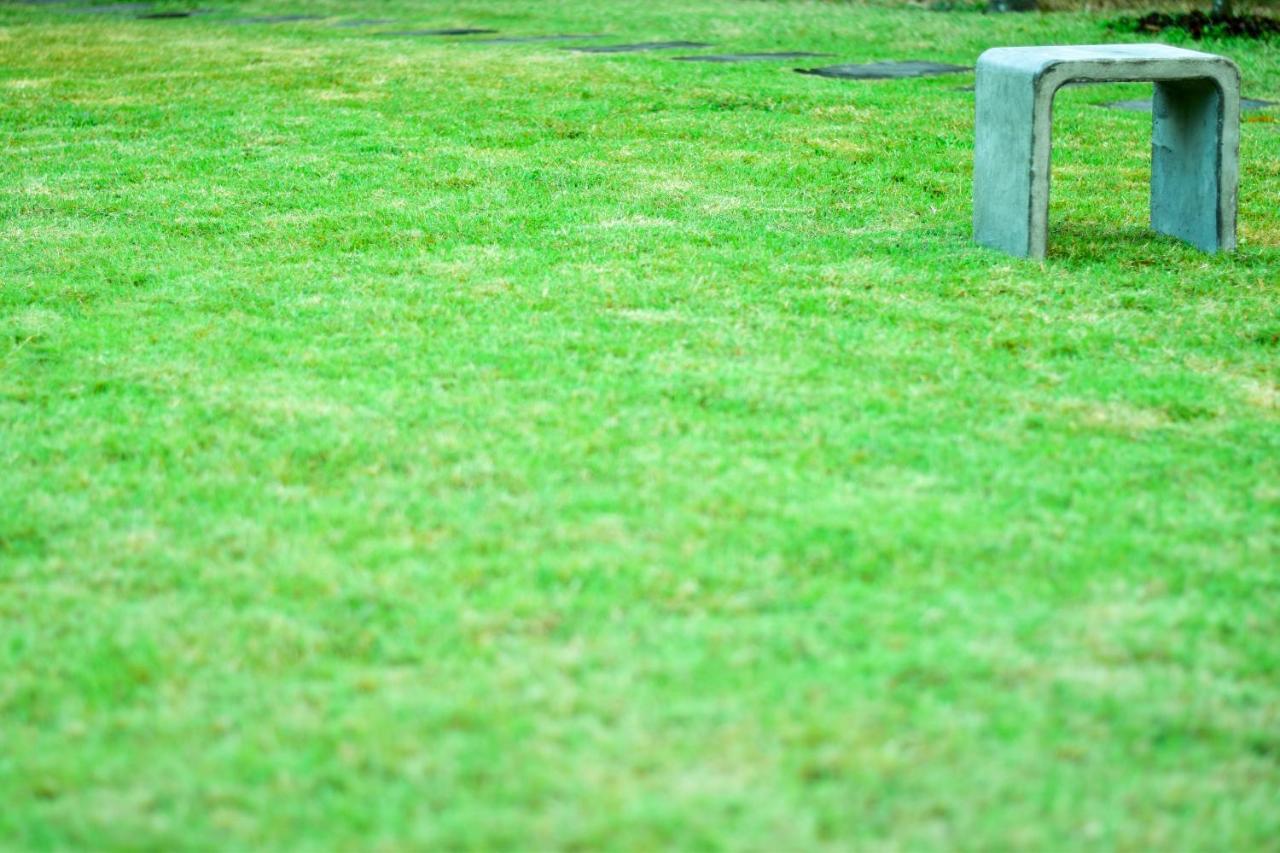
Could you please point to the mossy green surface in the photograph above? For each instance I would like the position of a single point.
(408, 442)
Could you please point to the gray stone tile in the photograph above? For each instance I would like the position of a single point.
(641, 46)
(537, 39)
(454, 31)
(886, 70)
(748, 57)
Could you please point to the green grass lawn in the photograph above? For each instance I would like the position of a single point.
(407, 442)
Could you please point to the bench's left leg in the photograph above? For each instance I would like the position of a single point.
(1011, 162)
(1195, 152)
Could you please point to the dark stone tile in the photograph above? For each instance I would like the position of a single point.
(534, 39)
(1143, 105)
(748, 57)
(171, 13)
(635, 48)
(885, 70)
(458, 31)
(1248, 104)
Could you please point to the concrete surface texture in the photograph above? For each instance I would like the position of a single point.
(1195, 139)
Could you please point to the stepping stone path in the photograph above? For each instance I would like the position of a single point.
(459, 31)
(748, 57)
(885, 70)
(635, 48)
(1143, 105)
(866, 71)
(533, 39)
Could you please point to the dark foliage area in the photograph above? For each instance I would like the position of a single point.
(1199, 24)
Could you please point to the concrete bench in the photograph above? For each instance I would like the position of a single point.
(1195, 156)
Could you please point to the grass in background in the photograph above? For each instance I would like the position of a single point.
(421, 442)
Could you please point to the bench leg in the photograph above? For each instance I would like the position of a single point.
(1195, 163)
(1011, 163)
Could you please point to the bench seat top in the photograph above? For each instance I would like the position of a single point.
(1127, 61)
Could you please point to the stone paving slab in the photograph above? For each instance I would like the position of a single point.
(453, 31)
(173, 13)
(536, 39)
(641, 46)
(885, 70)
(749, 57)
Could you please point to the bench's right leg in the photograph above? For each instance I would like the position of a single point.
(1011, 161)
(1195, 161)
